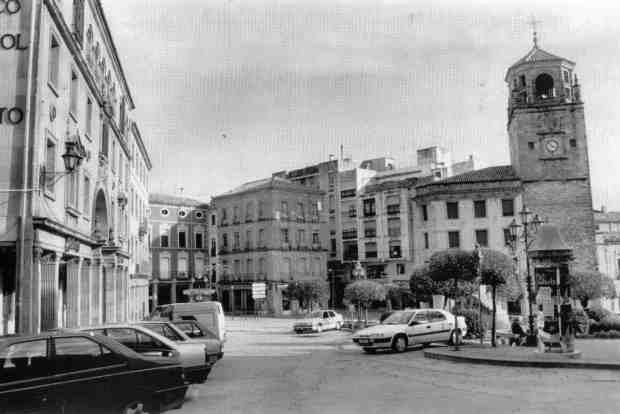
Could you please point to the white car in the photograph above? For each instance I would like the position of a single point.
(319, 321)
(193, 356)
(408, 327)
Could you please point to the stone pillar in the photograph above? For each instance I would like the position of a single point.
(49, 292)
(118, 294)
(36, 291)
(173, 292)
(96, 293)
(109, 288)
(154, 295)
(74, 292)
(86, 296)
(231, 292)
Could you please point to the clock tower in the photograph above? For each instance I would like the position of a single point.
(549, 149)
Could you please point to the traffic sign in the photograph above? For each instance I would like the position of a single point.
(259, 290)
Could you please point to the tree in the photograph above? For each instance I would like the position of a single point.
(495, 270)
(590, 284)
(453, 265)
(421, 284)
(308, 292)
(363, 292)
(392, 294)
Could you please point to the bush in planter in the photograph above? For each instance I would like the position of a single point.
(597, 312)
(581, 321)
(608, 334)
(472, 319)
(609, 323)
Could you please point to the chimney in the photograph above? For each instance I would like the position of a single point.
(603, 210)
(332, 157)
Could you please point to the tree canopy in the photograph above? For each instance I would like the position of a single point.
(453, 265)
(308, 292)
(590, 284)
(364, 292)
(496, 269)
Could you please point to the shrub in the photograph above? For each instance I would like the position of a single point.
(609, 323)
(472, 319)
(582, 320)
(608, 334)
(597, 312)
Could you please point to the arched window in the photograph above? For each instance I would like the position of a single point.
(544, 86)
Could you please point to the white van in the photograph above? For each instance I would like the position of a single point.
(210, 314)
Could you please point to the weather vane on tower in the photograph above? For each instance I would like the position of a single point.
(533, 22)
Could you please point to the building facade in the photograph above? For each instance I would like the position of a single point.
(608, 251)
(271, 231)
(66, 156)
(180, 231)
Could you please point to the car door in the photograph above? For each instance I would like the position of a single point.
(420, 328)
(327, 321)
(86, 375)
(440, 326)
(25, 379)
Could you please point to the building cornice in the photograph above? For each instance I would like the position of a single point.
(54, 226)
(141, 146)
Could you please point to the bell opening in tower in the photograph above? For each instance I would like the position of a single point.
(544, 86)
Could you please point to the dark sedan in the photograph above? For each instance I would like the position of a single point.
(84, 373)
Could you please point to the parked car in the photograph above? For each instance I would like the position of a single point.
(172, 332)
(210, 314)
(82, 373)
(318, 321)
(196, 330)
(193, 356)
(405, 328)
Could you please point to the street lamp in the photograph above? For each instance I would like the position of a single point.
(524, 231)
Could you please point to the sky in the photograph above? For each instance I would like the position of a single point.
(229, 91)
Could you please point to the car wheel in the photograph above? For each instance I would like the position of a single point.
(134, 407)
(399, 344)
(455, 337)
(370, 350)
(319, 328)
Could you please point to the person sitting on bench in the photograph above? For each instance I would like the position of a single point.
(518, 334)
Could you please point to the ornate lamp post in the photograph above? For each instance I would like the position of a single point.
(525, 231)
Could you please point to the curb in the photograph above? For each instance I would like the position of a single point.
(521, 362)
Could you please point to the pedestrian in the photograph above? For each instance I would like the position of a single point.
(542, 335)
(518, 334)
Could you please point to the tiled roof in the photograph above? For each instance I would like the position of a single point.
(499, 173)
(265, 183)
(537, 55)
(166, 199)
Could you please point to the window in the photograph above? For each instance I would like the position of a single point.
(182, 267)
(393, 204)
(236, 240)
(284, 209)
(507, 237)
(352, 211)
(301, 213)
(508, 207)
(225, 241)
(73, 94)
(454, 239)
(426, 242)
(400, 268)
(424, 212)
(164, 240)
(198, 265)
(105, 136)
(164, 268)
(182, 239)
(370, 228)
(482, 238)
(435, 316)
(530, 145)
(78, 353)
(452, 208)
(331, 179)
(301, 238)
(284, 236)
(332, 203)
(480, 208)
(182, 213)
(369, 207)
(349, 234)
(54, 60)
(261, 265)
(223, 214)
(332, 246)
(394, 227)
(236, 214)
(349, 250)
(395, 250)
(261, 238)
(50, 166)
(249, 207)
(86, 196)
(347, 193)
(164, 212)
(78, 20)
(213, 248)
(261, 209)
(315, 238)
(213, 219)
(24, 360)
(198, 240)
(72, 189)
(573, 143)
(566, 78)
(371, 250)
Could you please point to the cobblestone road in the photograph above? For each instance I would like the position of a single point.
(270, 370)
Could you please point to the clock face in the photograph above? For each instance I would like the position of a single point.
(552, 145)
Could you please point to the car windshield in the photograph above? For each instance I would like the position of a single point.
(317, 314)
(398, 318)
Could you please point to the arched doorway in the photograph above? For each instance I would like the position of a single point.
(100, 218)
(544, 86)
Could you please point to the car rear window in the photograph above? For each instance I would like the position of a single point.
(24, 360)
(194, 331)
(79, 353)
(125, 336)
(163, 330)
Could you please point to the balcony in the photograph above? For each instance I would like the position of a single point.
(370, 233)
(394, 209)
